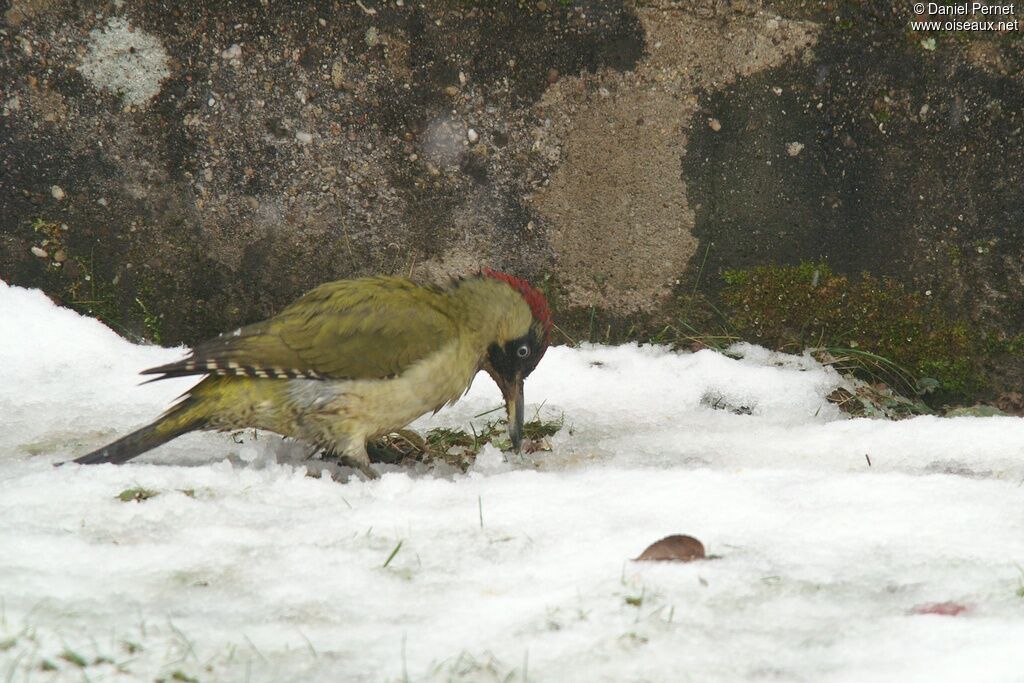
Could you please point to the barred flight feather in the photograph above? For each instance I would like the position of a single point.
(233, 369)
(230, 368)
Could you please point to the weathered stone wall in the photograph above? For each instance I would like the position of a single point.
(879, 150)
(214, 160)
(181, 168)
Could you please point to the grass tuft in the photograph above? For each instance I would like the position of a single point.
(73, 657)
(457, 447)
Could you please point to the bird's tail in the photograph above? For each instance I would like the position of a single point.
(177, 421)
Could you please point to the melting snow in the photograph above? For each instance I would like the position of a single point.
(246, 569)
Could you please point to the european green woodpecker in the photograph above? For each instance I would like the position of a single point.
(353, 360)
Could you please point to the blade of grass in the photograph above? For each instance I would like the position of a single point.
(488, 412)
(565, 334)
(392, 555)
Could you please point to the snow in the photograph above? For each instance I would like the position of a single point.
(246, 569)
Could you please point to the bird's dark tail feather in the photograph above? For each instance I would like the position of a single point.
(141, 440)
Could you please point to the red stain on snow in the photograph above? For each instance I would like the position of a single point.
(945, 609)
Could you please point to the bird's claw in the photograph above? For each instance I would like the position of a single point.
(359, 465)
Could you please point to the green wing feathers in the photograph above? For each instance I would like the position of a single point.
(350, 329)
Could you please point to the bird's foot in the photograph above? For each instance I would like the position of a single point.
(359, 465)
(316, 469)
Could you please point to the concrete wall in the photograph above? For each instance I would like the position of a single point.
(184, 167)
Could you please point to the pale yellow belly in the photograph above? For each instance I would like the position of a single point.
(348, 413)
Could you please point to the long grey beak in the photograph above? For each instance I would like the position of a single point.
(513, 394)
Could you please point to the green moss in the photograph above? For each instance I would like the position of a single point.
(1015, 345)
(136, 495)
(792, 308)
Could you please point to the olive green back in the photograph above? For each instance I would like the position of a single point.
(350, 329)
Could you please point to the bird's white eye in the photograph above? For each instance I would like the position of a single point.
(523, 351)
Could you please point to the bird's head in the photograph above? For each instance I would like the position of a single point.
(510, 361)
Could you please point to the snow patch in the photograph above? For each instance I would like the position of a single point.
(242, 567)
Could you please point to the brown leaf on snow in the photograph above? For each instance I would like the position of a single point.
(674, 548)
